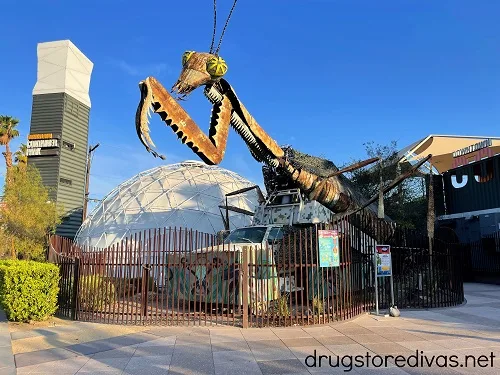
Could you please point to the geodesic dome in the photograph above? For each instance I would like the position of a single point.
(186, 194)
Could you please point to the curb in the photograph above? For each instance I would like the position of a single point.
(7, 363)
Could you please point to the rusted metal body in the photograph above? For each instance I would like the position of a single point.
(205, 69)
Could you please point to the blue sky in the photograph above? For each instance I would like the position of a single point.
(323, 76)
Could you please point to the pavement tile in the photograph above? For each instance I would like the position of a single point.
(286, 366)
(302, 352)
(401, 337)
(9, 370)
(365, 339)
(380, 371)
(422, 345)
(104, 364)
(387, 348)
(229, 346)
(170, 340)
(63, 367)
(459, 344)
(335, 340)
(386, 330)
(236, 356)
(322, 331)
(304, 341)
(231, 368)
(199, 349)
(257, 334)
(290, 333)
(269, 354)
(148, 365)
(349, 349)
(125, 352)
(192, 364)
(266, 344)
(42, 356)
(145, 351)
(190, 340)
(349, 330)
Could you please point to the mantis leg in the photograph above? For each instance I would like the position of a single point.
(209, 148)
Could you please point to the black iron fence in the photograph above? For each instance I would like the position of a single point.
(176, 276)
(482, 260)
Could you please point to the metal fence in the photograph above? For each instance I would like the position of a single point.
(482, 259)
(177, 276)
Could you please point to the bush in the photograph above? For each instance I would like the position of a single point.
(28, 289)
(96, 292)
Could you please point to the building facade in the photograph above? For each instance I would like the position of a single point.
(468, 169)
(58, 139)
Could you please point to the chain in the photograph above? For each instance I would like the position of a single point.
(225, 26)
(215, 26)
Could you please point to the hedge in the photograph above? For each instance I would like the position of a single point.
(28, 289)
(96, 292)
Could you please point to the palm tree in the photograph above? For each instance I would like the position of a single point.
(21, 155)
(8, 131)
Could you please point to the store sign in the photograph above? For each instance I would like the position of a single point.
(33, 137)
(328, 248)
(42, 145)
(383, 259)
(472, 148)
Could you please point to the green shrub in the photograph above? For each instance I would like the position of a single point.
(96, 291)
(28, 289)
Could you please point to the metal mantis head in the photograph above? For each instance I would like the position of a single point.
(198, 69)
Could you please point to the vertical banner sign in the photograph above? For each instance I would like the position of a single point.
(328, 244)
(383, 258)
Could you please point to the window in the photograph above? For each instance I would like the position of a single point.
(65, 181)
(247, 235)
(68, 145)
(275, 234)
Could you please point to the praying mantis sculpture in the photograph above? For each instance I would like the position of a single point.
(207, 69)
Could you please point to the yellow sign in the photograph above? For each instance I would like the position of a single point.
(40, 136)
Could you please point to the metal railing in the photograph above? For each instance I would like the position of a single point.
(177, 276)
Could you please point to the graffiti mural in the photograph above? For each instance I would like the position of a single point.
(216, 277)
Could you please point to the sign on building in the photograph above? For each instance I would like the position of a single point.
(42, 145)
(328, 245)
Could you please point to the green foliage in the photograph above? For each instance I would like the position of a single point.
(96, 291)
(8, 129)
(406, 204)
(28, 290)
(282, 306)
(27, 215)
(318, 305)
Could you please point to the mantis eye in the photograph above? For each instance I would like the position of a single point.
(216, 67)
(186, 56)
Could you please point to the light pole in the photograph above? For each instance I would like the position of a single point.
(87, 180)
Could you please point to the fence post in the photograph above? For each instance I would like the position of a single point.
(76, 279)
(244, 275)
(144, 290)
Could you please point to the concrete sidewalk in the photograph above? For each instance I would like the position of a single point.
(86, 348)
(7, 364)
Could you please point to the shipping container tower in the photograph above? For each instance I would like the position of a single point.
(58, 139)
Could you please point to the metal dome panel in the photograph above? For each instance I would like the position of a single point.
(186, 194)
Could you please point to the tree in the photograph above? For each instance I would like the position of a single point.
(27, 215)
(21, 156)
(407, 203)
(8, 131)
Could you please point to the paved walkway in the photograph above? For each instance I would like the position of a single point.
(84, 348)
(7, 365)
